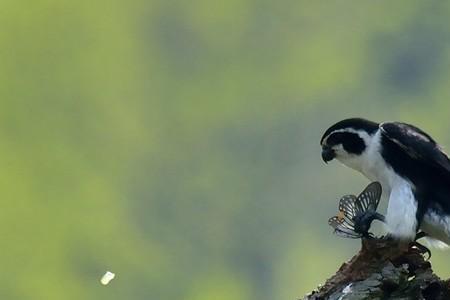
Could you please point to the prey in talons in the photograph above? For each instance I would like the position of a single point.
(356, 214)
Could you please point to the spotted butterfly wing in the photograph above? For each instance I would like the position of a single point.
(342, 230)
(343, 223)
(369, 198)
(347, 207)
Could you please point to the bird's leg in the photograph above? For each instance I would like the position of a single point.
(420, 235)
(380, 217)
(405, 246)
(364, 220)
(421, 248)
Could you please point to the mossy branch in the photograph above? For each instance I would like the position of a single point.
(381, 270)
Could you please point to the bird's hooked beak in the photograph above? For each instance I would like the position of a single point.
(327, 153)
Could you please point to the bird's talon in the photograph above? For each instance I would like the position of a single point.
(420, 235)
(421, 249)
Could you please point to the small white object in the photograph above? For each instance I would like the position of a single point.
(347, 289)
(107, 277)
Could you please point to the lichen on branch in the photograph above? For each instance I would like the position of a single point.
(384, 269)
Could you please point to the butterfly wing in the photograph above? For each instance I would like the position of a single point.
(343, 229)
(347, 207)
(369, 198)
(343, 223)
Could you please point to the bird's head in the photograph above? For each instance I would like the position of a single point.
(347, 141)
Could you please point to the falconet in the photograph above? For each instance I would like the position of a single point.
(411, 167)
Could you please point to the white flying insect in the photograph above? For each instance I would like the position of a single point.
(107, 277)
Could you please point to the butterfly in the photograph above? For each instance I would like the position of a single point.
(356, 214)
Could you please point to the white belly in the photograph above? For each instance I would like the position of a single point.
(401, 219)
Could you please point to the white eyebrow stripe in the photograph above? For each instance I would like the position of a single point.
(361, 133)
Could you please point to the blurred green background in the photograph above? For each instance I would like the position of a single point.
(176, 143)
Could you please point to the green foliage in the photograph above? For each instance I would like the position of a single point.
(175, 143)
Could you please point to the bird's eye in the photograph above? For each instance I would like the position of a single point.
(352, 143)
(335, 139)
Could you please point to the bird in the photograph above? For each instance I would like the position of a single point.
(410, 165)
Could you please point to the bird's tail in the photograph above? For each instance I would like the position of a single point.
(435, 243)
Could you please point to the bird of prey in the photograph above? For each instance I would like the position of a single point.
(412, 168)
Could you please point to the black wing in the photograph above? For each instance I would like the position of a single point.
(416, 143)
(369, 198)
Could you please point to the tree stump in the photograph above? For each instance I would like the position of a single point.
(381, 270)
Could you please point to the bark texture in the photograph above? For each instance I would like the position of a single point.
(384, 270)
